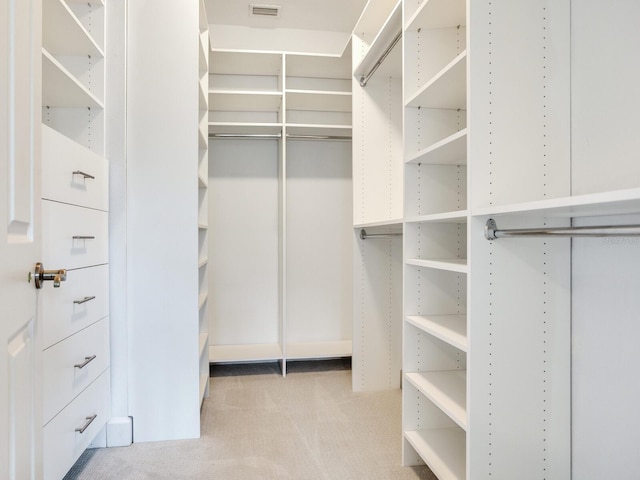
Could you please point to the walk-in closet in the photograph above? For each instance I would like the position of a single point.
(335, 239)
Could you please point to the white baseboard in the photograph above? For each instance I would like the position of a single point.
(120, 432)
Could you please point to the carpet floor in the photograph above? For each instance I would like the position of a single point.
(258, 425)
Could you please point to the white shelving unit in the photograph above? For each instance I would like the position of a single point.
(377, 196)
(285, 186)
(436, 272)
(203, 200)
(75, 191)
(245, 93)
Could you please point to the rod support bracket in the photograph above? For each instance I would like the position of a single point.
(490, 229)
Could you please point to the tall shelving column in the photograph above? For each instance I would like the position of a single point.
(245, 99)
(316, 184)
(435, 227)
(203, 201)
(75, 204)
(377, 196)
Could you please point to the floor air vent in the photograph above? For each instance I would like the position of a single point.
(264, 10)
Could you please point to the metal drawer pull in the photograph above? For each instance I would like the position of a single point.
(84, 237)
(86, 362)
(84, 300)
(85, 175)
(87, 423)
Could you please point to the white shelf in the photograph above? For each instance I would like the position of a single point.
(319, 66)
(458, 216)
(202, 299)
(446, 389)
(203, 95)
(392, 65)
(396, 222)
(95, 3)
(451, 329)
(313, 129)
(202, 226)
(244, 101)
(443, 450)
(452, 265)
(304, 350)
(204, 380)
(244, 353)
(438, 14)
(203, 141)
(448, 151)
(374, 14)
(242, 128)
(244, 63)
(61, 89)
(203, 262)
(204, 338)
(62, 32)
(620, 202)
(321, 101)
(447, 89)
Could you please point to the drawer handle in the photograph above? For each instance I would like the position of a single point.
(87, 423)
(87, 361)
(84, 300)
(83, 237)
(85, 175)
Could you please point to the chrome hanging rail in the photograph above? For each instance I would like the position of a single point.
(364, 235)
(277, 136)
(365, 78)
(491, 231)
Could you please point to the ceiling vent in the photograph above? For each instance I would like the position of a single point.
(264, 10)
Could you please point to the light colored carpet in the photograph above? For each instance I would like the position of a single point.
(258, 425)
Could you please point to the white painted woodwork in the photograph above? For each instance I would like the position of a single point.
(20, 241)
(61, 223)
(61, 159)
(62, 381)
(62, 317)
(62, 444)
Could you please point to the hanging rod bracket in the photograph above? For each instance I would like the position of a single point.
(490, 229)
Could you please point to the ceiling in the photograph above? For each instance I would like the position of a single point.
(312, 27)
(317, 15)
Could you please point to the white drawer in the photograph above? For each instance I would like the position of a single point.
(73, 237)
(66, 170)
(70, 308)
(62, 444)
(63, 381)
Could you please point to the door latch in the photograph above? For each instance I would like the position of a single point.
(40, 275)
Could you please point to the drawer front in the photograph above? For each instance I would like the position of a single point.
(72, 364)
(62, 444)
(67, 169)
(71, 308)
(73, 237)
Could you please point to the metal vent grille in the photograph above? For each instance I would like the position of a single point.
(265, 10)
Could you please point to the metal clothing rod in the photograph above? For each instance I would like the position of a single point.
(364, 235)
(365, 78)
(491, 231)
(245, 135)
(318, 137)
(267, 136)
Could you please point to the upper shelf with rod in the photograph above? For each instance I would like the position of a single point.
(384, 55)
